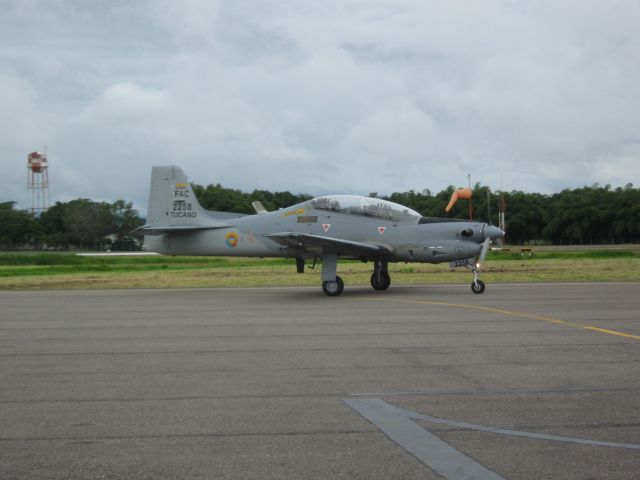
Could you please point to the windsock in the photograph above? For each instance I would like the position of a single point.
(461, 193)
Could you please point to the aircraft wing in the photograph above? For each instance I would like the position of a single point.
(341, 246)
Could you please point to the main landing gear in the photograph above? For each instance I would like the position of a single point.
(332, 284)
(380, 279)
(333, 288)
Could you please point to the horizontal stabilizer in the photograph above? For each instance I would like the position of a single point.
(151, 230)
(118, 254)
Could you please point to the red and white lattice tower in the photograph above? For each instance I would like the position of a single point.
(38, 181)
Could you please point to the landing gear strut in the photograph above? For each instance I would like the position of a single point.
(332, 284)
(477, 286)
(380, 279)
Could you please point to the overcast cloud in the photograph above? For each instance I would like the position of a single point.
(342, 96)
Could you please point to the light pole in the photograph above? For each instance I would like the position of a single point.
(470, 208)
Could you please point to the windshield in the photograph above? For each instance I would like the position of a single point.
(366, 206)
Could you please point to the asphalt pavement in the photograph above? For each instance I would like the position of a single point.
(420, 382)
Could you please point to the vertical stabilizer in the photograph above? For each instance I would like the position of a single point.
(172, 203)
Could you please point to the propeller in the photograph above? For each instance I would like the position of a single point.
(483, 252)
(491, 234)
(498, 242)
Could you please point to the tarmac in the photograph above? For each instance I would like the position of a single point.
(537, 381)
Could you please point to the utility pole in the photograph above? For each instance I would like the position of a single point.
(470, 207)
(503, 207)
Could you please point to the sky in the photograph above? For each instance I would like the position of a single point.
(318, 97)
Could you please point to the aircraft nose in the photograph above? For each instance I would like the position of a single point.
(492, 232)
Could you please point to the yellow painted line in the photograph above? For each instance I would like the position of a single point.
(611, 332)
(510, 313)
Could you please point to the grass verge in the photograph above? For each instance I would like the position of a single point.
(65, 271)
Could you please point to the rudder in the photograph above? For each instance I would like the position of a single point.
(172, 202)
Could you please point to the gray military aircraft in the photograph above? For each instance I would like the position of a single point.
(326, 228)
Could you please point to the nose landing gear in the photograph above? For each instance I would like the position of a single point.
(477, 286)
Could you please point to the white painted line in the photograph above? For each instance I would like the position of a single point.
(391, 410)
(425, 446)
(496, 391)
(514, 433)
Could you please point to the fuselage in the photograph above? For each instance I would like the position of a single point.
(404, 233)
(325, 228)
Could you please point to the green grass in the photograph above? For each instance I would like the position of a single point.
(63, 271)
(563, 254)
(57, 264)
(17, 259)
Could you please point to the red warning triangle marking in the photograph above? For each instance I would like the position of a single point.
(326, 226)
(381, 230)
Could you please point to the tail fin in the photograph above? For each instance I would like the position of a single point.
(173, 206)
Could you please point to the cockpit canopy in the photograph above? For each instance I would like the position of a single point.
(367, 207)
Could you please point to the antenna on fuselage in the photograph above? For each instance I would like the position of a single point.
(258, 207)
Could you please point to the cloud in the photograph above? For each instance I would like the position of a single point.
(343, 96)
(128, 97)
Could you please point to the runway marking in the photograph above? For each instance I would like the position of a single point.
(385, 410)
(510, 313)
(495, 391)
(425, 446)
(611, 332)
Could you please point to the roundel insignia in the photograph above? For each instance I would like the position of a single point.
(326, 226)
(231, 239)
(381, 230)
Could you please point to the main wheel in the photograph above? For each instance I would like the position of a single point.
(333, 288)
(382, 283)
(477, 287)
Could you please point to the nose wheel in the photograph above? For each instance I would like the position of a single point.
(477, 286)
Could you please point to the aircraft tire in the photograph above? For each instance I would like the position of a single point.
(333, 289)
(385, 281)
(478, 288)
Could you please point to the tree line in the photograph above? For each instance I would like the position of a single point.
(587, 215)
(80, 223)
